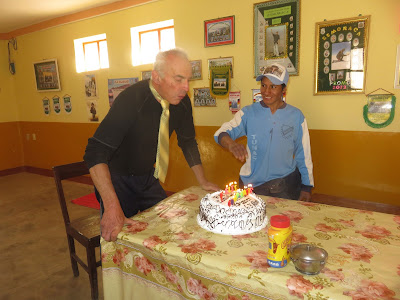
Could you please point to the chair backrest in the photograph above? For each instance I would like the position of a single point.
(67, 171)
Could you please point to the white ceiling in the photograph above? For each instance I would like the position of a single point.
(17, 14)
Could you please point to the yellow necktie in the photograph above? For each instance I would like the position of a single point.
(163, 143)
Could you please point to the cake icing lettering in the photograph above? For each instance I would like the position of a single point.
(232, 211)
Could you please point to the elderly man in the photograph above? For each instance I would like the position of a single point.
(130, 141)
(278, 155)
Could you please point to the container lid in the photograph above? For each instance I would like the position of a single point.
(308, 252)
(280, 221)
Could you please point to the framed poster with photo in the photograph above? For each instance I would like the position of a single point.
(146, 75)
(218, 62)
(203, 98)
(196, 70)
(219, 32)
(47, 76)
(277, 35)
(341, 61)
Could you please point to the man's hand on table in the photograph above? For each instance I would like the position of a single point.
(305, 196)
(209, 186)
(112, 222)
(202, 180)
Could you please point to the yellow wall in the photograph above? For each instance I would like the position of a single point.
(8, 101)
(344, 148)
(330, 112)
(11, 154)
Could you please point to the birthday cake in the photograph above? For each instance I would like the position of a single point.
(232, 211)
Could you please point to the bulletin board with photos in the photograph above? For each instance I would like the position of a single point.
(202, 97)
(277, 35)
(341, 47)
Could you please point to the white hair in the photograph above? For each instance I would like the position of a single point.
(161, 59)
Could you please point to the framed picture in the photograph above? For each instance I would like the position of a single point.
(47, 76)
(277, 35)
(219, 32)
(341, 60)
(222, 61)
(146, 75)
(196, 69)
(202, 97)
(397, 73)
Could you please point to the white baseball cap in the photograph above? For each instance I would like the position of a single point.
(276, 73)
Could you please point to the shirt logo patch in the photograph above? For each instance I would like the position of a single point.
(287, 131)
(254, 147)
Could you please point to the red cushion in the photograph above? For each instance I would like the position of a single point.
(88, 201)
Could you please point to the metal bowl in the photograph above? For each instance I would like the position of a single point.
(308, 259)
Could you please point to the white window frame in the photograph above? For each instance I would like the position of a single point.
(136, 33)
(79, 45)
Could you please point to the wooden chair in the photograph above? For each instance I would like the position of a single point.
(85, 230)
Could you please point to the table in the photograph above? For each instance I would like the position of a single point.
(166, 255)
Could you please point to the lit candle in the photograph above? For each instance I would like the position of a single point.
(235, 183)
(250, 188)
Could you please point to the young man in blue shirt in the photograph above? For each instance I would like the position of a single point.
(278, 154)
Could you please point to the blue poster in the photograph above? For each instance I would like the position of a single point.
(116, 86)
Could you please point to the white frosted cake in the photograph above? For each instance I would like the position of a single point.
(233, 213)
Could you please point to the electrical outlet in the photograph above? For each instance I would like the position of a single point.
(34, 136)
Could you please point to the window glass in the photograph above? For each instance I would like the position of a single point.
(148, 46)
(148, 40)
(91, 53)
(167, 39)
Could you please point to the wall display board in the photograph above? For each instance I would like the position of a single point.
(203, 97)
(277, 35)
(47, 76)
(341, 60)
(219, 32)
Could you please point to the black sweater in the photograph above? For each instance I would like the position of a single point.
(127, 138)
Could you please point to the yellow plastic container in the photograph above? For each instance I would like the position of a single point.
(279, 240)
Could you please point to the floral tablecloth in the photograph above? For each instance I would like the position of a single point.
(166, 255)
